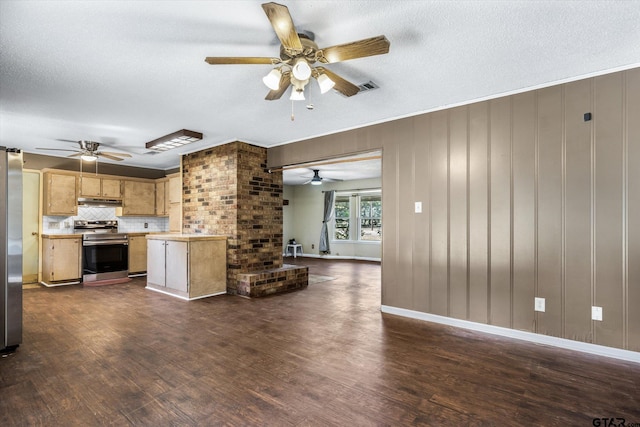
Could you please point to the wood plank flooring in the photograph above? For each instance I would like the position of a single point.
(122, 355)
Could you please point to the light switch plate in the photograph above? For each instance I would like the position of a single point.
(596, 313)
(418, 207)
(539, 304)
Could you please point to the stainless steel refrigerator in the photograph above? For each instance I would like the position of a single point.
(10, 249)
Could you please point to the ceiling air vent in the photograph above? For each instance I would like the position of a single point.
(368, 86)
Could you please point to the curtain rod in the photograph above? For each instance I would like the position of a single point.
(329, 162)
(354, 189)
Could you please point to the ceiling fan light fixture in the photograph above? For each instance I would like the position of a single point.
(316, 181)
(272, 80)
(89, 157)
(297, 94)
(174, 140)
(301, 69)
(325, 83)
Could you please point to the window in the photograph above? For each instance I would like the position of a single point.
(358, 217)
(371, 218)
(342, 218)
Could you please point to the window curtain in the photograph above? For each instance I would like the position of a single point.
(329, 197)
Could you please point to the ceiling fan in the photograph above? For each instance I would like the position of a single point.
(298, 56)
(317, 179)
(89, 151)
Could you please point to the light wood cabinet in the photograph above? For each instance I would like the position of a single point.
(137, 254)
(91, 186)
(175, 188)
(138, 199)
(162, 197)
(60, 194)
(61, 260)
(175, 203)
(187, 266)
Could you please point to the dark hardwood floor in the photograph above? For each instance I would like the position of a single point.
(124, 355)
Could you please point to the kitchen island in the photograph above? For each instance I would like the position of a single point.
(187, 266)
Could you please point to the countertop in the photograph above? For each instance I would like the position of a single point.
(79, 235)
(63, 236)
(180, 237)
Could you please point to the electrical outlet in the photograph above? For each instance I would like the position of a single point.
(539, 304)
(53, 225)
(146, 225)
(596, 313)
(418, 207)
(313, 246)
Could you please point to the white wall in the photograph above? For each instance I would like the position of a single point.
(302, 219)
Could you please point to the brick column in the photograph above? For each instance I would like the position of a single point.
(228, 190)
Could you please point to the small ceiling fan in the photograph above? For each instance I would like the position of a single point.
(317, 179)
(299, 53)
(89, 151)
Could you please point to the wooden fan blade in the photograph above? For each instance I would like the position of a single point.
(78, 154)
(343, 86)
(285, 80)
(222, 60)
(114, 154)
(282, 24)
(108, 156)
(54, 149)
(368, 47)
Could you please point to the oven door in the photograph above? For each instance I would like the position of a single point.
(102, 260)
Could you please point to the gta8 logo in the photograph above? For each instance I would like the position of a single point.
(609, 422)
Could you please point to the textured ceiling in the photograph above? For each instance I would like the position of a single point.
(124, 73)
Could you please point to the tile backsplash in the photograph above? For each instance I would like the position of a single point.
(64, 224)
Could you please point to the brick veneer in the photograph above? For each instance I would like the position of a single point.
(262, 283)
(228, 190)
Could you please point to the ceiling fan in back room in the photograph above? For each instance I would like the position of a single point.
(298, 55)
(318, 180)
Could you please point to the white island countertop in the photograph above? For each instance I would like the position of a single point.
(181, 237)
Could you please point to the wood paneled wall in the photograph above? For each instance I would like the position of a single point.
(522, 198)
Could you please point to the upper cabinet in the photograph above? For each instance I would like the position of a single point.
(91, 186)
(162, 197)
(175, 202)
(138, 199)
(60, 194)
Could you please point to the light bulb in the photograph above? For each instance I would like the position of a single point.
(89, 157)
(297, 94)
(301, 70)
(325, 83)
(272, 80)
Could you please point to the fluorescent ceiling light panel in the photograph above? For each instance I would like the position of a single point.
(174, 140)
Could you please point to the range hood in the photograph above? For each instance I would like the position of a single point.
(100, 203)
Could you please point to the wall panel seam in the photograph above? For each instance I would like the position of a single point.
(489, 278)
(625, 214)
(536, 218)
(448, 212)
(430, 224)
(593, 204)
(563, 215)
(511, 212)
(468, 213)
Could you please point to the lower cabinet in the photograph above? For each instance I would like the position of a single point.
(185, 266)
(61, 260)
(137, 254)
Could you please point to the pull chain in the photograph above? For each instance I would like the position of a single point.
(292, 115)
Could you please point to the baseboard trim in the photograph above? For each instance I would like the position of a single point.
(600, 350)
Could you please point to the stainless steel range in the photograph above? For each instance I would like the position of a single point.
(105, 252)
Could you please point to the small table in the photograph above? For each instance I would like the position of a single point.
(295, 249)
